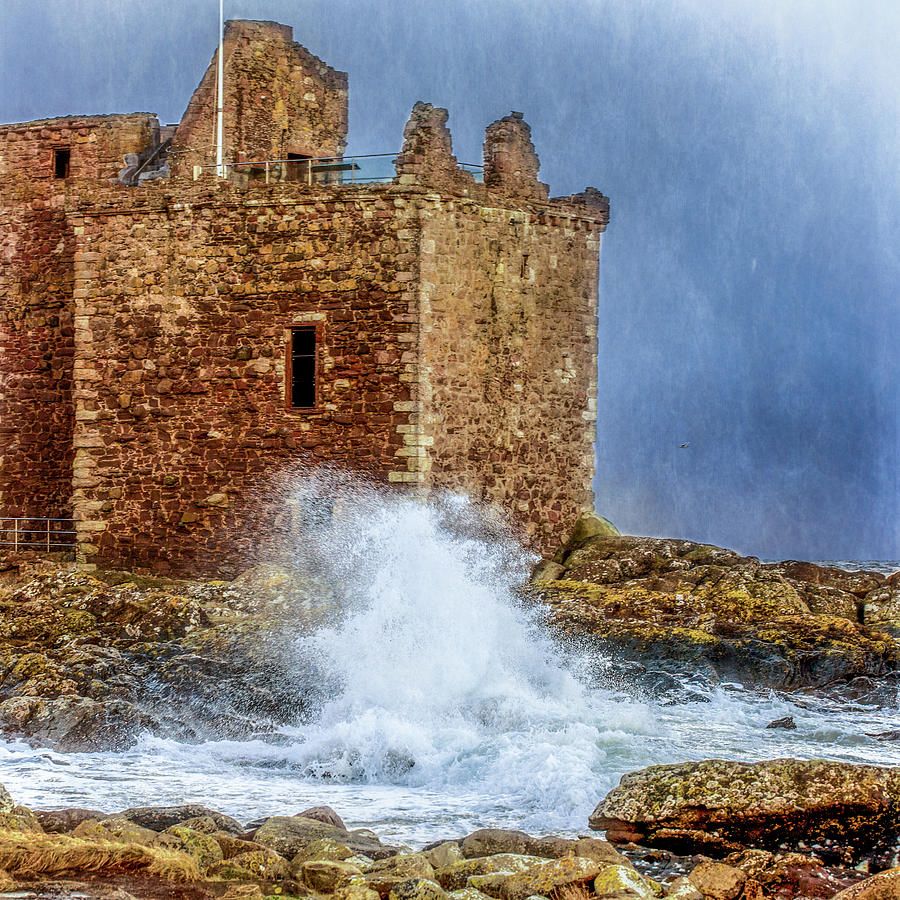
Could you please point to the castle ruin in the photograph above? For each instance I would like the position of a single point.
(168, 336)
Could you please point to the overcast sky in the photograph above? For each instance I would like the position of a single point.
(750, 287)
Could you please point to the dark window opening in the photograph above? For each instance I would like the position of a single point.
(61, 163)
(303, 367)
(298, 167)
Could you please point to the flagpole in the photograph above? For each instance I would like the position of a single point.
(220, 168)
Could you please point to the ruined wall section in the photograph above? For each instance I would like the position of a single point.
(36, 279)
(279, 99)
(509, 344)
(183, 311)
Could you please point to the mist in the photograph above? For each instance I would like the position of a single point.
(750, 274)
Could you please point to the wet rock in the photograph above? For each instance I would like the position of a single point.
(685, 609)
(718, 807)
(323, 814)
(893, 735)
(792, 874)
(548, 877)
(202, 847)
(159, 818)
(287, 835)
(444, 855)
(388, 873)
(618, 881)
(323, 848)
(784, 722)
(488, 841)
(417, 889)
(259, 863)
(456, 876)
(62, 821)
(115, 829)
(718, 881)
(884, 886)
(682, 889)
(355, 892)
(90, 664)
(326, 876)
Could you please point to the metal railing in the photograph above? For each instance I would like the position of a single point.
(373, 168)
(37, 533)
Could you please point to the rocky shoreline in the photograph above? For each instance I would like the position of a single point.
(90, 661)
(713, 830)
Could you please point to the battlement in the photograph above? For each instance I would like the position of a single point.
(168, 337)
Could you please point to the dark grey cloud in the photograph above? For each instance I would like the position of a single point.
(750, 276)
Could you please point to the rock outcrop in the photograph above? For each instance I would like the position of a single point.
(89, 662)
(683, 608)
(840, 810)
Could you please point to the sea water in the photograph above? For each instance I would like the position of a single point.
(440, 702)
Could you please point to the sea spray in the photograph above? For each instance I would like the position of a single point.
(430, 697)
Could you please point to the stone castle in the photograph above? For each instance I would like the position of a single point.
(168, 336)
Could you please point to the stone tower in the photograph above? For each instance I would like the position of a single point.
(167, 342)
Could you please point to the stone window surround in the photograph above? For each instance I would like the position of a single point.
(303, 322)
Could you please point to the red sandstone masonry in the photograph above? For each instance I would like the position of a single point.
(143, 331)
(36, 330)
(279, 99)
(183, 308)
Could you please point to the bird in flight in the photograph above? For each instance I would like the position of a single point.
(685, 445)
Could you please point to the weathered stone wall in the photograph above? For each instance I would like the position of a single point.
(183, 307)
(509, 343)
(279, 99)
(36, 333)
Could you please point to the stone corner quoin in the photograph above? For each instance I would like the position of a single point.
(154, 314)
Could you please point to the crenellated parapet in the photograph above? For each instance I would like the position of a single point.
(427, 156)
(510, 162)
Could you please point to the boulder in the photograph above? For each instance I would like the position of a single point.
(62, 821)
(388, 873)
(682, 889)
(203, 847)
(355, 892)
(549, 876)
(444, 855)
(417, 889)
(326, 876)
(717, 807)
(288, 835)
(159, 818)
(252, 864)
(884, 886)
(717, 881)
(115, 828)
(618, 881)
(488, 841)
(323, 814)
(232, 846)
(322, 848)
(456, 876)
(468, 893)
